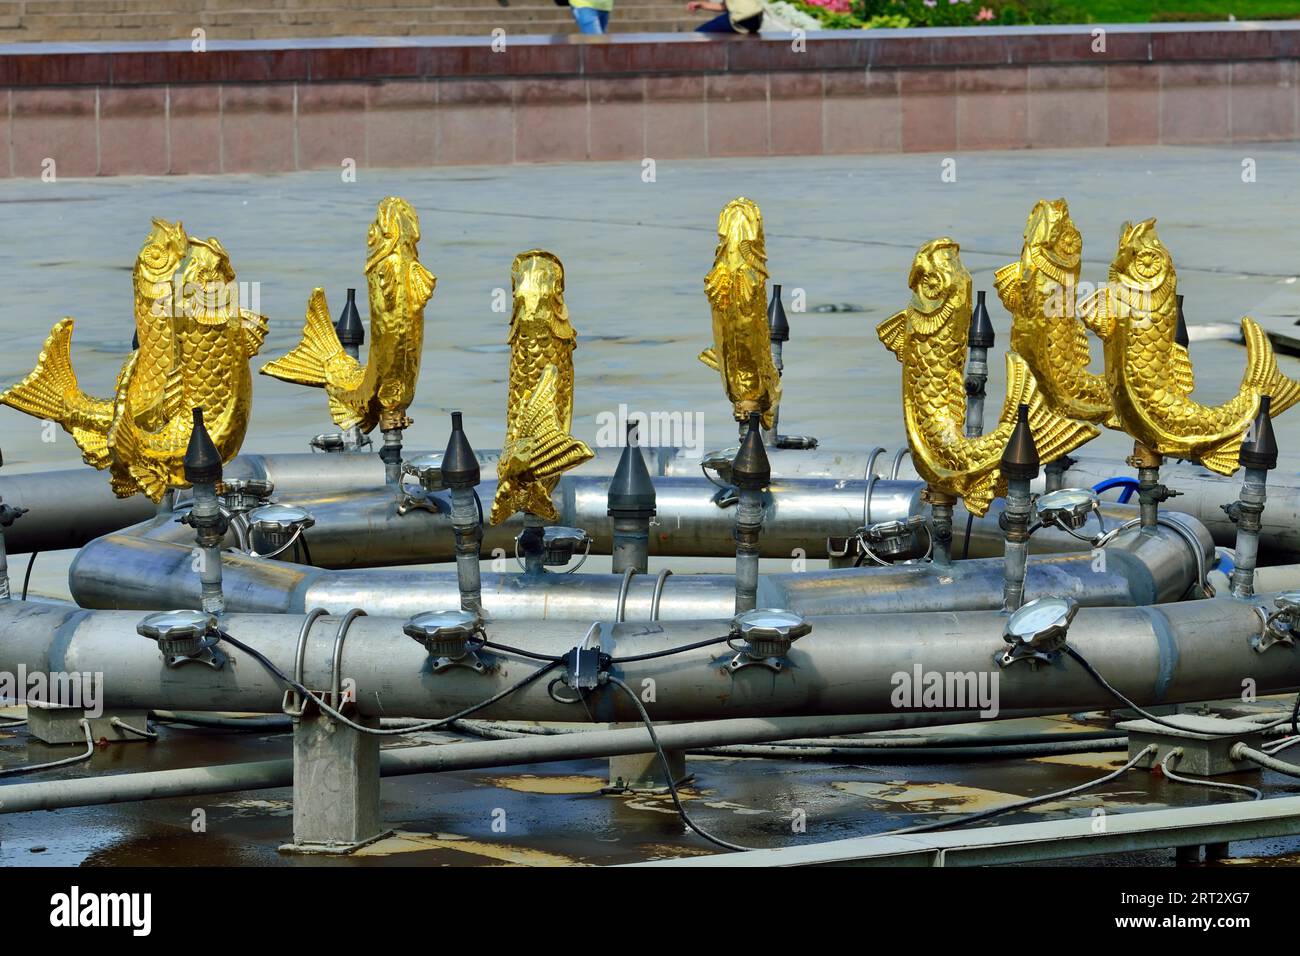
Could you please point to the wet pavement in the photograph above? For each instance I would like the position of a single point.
(556, 814)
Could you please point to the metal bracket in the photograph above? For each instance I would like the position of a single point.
(767, 634)
(424, 501)
(1278, 627)
(208, 654)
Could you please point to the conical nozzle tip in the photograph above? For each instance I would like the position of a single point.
(751, 470)
(631, 490)
(777, 325)
(202, 462)
(459, 463)
(349, 327)
(1020, 459)
(1259, 450)
(981, 327)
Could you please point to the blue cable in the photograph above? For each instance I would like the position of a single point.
(1129, 485)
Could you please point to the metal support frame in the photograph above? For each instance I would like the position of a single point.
(1212, 826)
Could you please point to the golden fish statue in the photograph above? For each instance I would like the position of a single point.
(379, 392)
(736, 287)
(1040, 291)
(1150, 376)
(193, 353)
(929, 337)
(539, 409)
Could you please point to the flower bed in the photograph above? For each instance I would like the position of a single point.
(876, 14)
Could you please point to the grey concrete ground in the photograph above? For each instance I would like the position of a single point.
(842, 229)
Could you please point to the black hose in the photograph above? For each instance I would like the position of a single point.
(1114, 692)
(668, 771)
(671, 650)
(1032, 801)
(27, 576)
(414, 728)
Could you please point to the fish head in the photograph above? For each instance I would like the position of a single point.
(938, 274)
(160, 256)
(396, 230)
(940, 287)
(740, 237)
(209, 289)
(537, 284)
(1051, 233)
(1142, 262)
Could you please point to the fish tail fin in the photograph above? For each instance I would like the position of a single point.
(307, 363)
(539, 449)
(1054, 434)
(1262, 372)
(50, 391)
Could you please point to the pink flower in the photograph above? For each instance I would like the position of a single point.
(986, 13)
(930, 3)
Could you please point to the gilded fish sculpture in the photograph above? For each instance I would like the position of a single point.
(929, 338)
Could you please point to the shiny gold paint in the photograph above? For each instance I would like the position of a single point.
(1136, 315)
(929, 338)
(379, 392)
(736, 287)
(1040, 292)
(194, 352)
(539, 406)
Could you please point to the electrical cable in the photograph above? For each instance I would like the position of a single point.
(532, 655)
(27, 575)
(1022, 804)
(146, 733)
(1242, 752)
(669, 652)
(1118, 695)
(668, 772)
(1176, 754)
(90, 752)
(414, 728)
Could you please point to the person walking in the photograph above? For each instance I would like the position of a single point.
(592, 15)
(734, 16)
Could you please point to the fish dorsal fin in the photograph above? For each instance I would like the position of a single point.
(1006, 282)
(1181, 376)
(893, 332)
(420, 282)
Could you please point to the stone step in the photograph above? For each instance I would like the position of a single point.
(273, 31)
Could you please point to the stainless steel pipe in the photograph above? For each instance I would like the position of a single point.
(850, 664)
(71, 507)
(137, 570)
